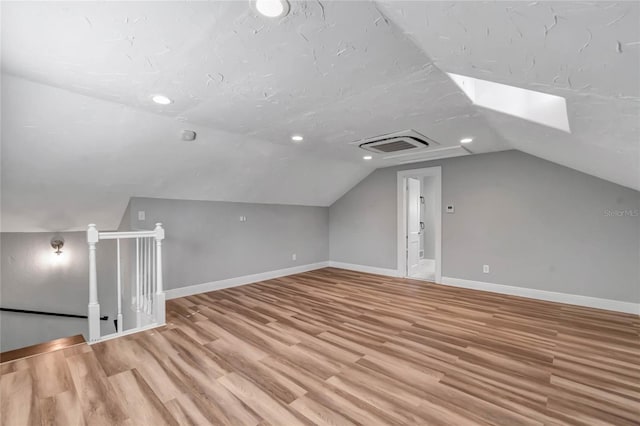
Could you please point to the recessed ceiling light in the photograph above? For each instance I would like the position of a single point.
(466, 140)
(367, 157)
(272, 8)
(297, 138)
(161, 99)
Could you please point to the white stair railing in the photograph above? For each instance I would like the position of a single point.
(148, 298)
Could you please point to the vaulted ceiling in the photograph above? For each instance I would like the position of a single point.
(80, 134)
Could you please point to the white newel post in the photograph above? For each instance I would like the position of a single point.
(94, 308)
(159, 297)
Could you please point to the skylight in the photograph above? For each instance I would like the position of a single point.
(541, 108)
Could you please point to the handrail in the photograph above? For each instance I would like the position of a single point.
(115, 235)
(55, 314)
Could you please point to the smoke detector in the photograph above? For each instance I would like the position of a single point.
(188, 135)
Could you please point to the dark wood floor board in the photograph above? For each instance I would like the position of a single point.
(339, 347)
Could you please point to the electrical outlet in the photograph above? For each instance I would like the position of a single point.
(485, 269)
(141, 215)
(294, 257)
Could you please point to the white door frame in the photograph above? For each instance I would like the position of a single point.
(435, 172)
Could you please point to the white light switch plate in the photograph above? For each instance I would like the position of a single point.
(141, 215)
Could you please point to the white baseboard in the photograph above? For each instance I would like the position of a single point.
(364, 268)
(238, 281)
(551, 296)
(572, 299)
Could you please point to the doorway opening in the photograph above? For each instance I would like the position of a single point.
(420, 224)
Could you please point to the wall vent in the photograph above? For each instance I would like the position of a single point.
(405, 141)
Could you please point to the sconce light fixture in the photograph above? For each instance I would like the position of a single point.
(57, 243)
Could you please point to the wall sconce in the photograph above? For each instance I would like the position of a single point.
(57, 243)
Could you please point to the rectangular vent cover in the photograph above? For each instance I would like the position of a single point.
(406, 141)
(393, 146)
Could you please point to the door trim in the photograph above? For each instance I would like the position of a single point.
(435, 172)
(414, 236)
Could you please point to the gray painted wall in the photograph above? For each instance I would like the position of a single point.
(125, 222)
(537, 224)
(33, 278)
(205, 240)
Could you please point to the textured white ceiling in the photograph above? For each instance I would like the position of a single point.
(586, 52)
(80, 134)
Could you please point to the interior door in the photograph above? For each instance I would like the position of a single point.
(413, 225)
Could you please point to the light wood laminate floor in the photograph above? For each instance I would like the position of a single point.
(338, 347)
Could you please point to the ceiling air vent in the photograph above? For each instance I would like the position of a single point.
(405, 141)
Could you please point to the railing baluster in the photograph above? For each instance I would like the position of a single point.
(148, 260)
(148, 270)
(119, 289)
(143, 242)
(160, 313)
(146, 282)
(137, 274)
(153, 275)
(144, 274)
(143, 285)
